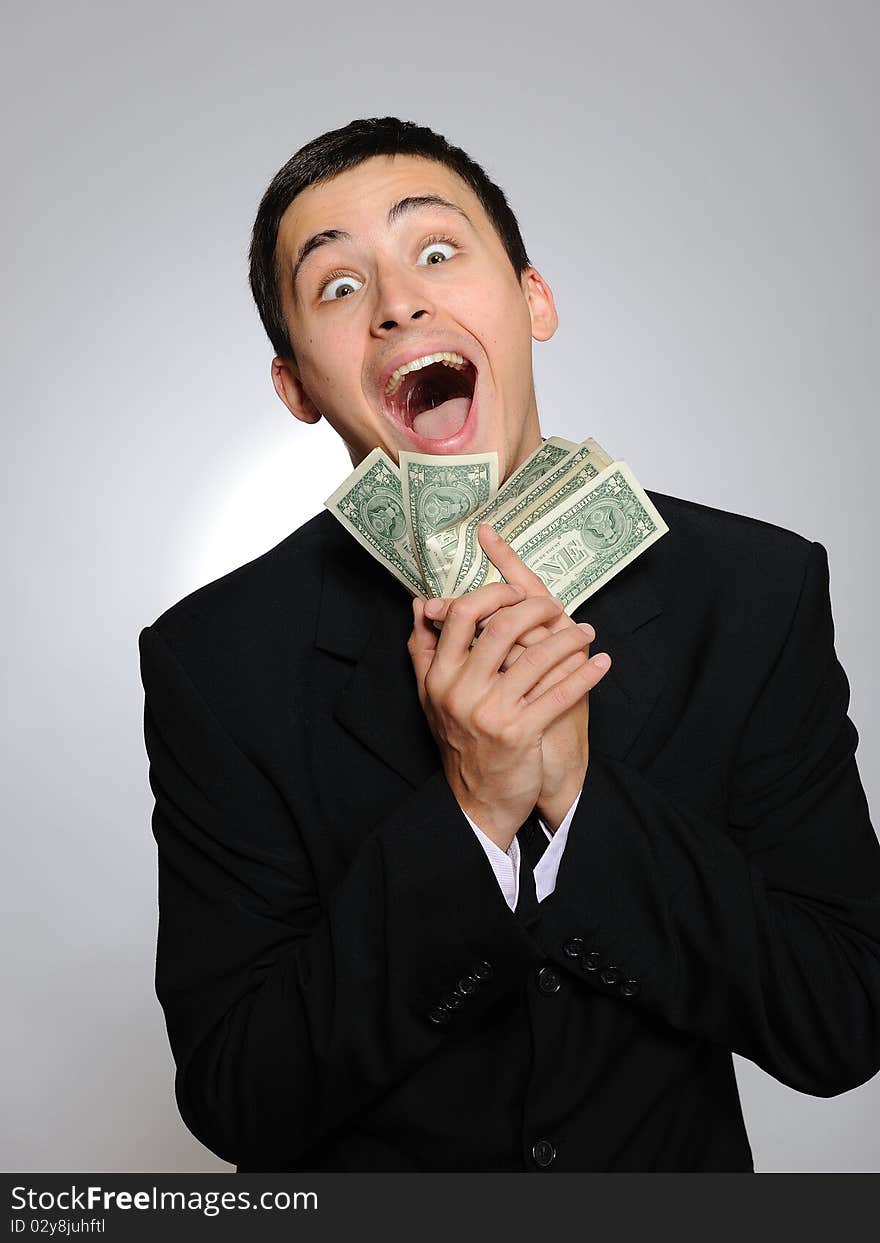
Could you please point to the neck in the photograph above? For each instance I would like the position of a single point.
(530, 440)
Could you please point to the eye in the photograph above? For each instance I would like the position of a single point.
(348, 280)
(436, 241)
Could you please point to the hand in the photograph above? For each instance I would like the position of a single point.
(565, 744)
(487, 725)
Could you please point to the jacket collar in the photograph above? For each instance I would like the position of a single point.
(365, 618)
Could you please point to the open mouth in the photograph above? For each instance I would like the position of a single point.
(435, 400)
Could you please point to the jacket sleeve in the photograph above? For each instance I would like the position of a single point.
(288, 1017)
(762, 933)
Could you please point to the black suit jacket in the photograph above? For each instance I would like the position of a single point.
(344, 985)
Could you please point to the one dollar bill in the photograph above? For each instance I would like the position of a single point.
(572, 513)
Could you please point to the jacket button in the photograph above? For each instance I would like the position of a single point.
(591, 961)
(548, 980)
(611, 974)
(543, 1152)
(629, 988)
(573, 948)
(467, 985)
(482, 970)
(439, 1014)
(452, 1001)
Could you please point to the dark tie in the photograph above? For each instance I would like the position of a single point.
(533, 842)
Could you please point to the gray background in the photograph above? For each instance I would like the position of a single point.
(698, 183)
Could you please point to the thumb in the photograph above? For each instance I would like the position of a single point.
(422, 644)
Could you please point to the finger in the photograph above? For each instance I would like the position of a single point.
(422, 644)
(512, 656)
(558, 674)
(462, 615)
(541, 632)
(500, 634)
(540, 714)
(537, 661)
(437, 607)
(510, 563)
(562, 622)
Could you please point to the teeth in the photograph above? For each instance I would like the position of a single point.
(448, 357)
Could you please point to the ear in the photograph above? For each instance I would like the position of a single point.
(288, 386)
(542, 308)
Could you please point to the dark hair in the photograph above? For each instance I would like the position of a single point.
(336, 152)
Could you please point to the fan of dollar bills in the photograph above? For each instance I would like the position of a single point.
(572, 513)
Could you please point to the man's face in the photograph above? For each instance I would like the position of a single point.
(360, 308)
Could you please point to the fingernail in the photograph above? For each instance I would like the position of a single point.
(489, 532)
(434, 608)
(602, 661)
(587, 629)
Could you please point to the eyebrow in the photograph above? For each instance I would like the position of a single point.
(413, 202)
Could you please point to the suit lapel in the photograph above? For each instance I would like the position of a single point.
(365, 617)
(621, 613)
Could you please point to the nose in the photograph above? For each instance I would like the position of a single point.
(392, 323)
(400, 298)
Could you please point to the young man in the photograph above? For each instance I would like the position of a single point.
(428, 906)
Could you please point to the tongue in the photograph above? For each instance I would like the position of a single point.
(444, 420)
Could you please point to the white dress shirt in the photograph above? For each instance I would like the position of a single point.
(506, 863)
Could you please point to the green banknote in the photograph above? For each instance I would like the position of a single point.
(545, 458)
(586, 535)
(574, 515)
(471, 567)
(439, 493)
(369, 504)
